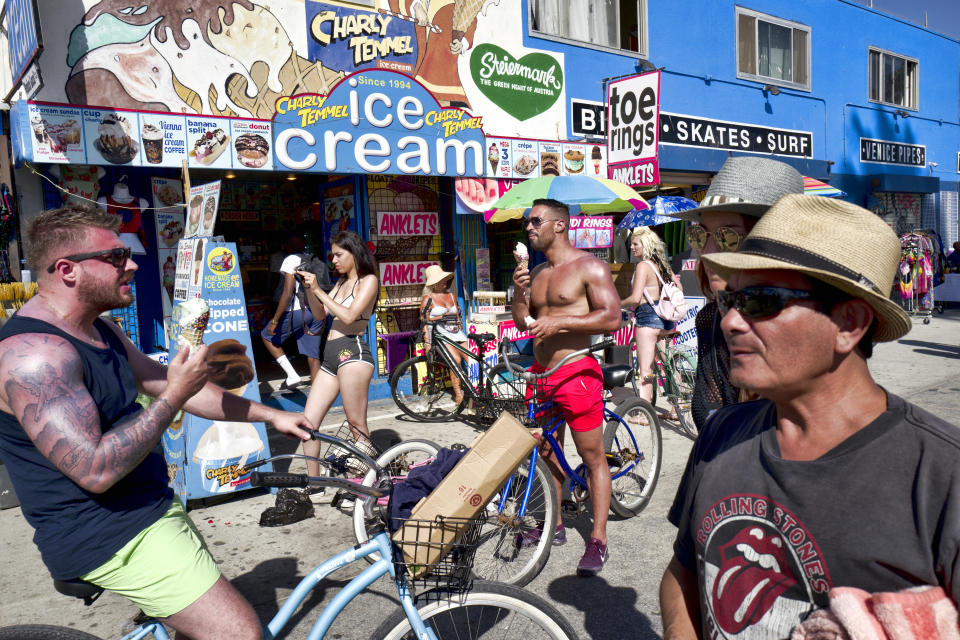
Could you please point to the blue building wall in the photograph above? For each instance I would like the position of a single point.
(694, 42)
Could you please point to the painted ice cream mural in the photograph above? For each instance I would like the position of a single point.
(217, 58)
(235, 58)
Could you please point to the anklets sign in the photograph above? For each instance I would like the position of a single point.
(376, 122)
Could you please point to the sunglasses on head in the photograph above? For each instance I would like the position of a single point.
(728, 239)
(536, 222)
(117, 257)
(760, 302)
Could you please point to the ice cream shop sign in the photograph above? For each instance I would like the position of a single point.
(376, 122)
(372, 122)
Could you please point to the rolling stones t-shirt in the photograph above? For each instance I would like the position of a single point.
(768, 538)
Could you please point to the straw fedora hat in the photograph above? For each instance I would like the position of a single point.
(434, 274)
(836, 242)
(747, 185)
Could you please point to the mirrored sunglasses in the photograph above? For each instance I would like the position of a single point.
(728, 239)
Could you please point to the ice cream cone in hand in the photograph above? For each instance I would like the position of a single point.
(522, 256)
(194, 316)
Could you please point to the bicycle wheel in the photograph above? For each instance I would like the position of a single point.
(397, 461)
(430, 395)
(632, 443)
(500, 557)
(490, 610)
(43, 632)
(684, 372)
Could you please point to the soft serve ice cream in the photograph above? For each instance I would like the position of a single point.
(194, 316)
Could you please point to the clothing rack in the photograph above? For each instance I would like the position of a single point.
(920, 263)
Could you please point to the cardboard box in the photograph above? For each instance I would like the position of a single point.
(467, 489)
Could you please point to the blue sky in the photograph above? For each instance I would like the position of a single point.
(942, 15)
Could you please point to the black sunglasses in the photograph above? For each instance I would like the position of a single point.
(760, 302)
(536, 222)
(117, 257)
(728, 239)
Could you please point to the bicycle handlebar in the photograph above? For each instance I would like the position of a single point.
(302, 480)
(528, 376)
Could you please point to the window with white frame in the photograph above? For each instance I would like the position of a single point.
(606, 24)
(893, 79)
(772, 50)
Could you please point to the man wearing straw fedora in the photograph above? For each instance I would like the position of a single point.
(562, 303)
(828, 480)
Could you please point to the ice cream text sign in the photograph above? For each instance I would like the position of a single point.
(208, 457)
(377, 121)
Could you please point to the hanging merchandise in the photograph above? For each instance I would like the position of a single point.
(8, 224)
(916, 277)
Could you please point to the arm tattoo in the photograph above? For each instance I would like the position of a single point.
(56, 411)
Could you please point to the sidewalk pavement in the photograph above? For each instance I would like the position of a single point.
(266, 563)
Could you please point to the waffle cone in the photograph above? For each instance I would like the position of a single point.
(193, 336)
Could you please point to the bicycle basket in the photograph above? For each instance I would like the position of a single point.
(438, 554)
(342, 462)
(516, 399)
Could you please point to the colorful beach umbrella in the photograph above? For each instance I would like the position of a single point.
(660, 212)
(583, 194)
(813, 187)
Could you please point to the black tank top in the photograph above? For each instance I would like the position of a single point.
(77, 531)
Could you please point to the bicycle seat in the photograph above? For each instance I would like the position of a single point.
(78, 588)
(481, 338)
(616, 375)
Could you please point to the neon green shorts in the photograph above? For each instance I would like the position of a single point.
(164, 569)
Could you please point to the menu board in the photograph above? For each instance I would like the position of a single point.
(522, 158)
(163, 139)
(55, 134)
(251, 144)
(112, 136)
(208, 142)
(202, 210)
(167, 194)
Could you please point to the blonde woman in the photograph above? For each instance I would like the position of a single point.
(436, 303)
(652, 268)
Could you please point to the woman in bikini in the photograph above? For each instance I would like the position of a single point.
(652, 270)
(346, 362)
(439, 302)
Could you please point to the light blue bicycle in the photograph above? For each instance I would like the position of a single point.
(443, 602)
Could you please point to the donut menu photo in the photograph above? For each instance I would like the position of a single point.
(251, 144)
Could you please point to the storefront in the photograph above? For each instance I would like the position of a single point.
(315, 117)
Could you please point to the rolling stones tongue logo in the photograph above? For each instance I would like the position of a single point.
(762, 570)
(751, 578)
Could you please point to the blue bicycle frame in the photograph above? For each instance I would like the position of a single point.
(379, 543)
(576, 479)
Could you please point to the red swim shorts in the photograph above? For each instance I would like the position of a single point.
(577, 389)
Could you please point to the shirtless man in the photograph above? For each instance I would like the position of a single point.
(571, 297)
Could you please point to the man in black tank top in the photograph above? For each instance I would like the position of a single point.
(82, 455)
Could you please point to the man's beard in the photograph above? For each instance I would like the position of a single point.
(103, 296)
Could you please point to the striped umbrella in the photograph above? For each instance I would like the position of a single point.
(661, 208)
(813, 187)
(583, 194)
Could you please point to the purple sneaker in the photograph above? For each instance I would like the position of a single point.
(593, 558)
(532, 537)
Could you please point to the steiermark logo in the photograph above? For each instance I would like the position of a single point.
(523, 88)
